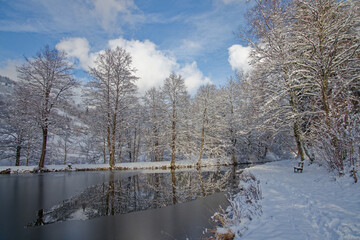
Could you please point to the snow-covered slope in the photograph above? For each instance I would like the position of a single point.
(314, 204)
(6, 86)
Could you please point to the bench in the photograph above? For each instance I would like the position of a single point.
(299, 168)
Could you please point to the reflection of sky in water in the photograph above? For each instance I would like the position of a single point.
(137, 193)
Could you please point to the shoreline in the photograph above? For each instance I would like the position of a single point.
(130, 166)
(164, 165)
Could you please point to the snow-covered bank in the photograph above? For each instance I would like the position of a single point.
(119, 166)
(314, 204)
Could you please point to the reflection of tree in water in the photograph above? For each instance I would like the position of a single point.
(136, 193)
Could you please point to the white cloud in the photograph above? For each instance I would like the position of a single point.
(108, 10)
(9, 69)
(193, 77)
(239, 57)
(152, 65)
(209, 32)
(80, 16)
(189, 48)
(77, 48)
(205, 34)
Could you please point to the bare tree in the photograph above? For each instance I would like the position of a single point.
(175, 93)
(231, 100)
(113, 91)
(186, 134)
(130, 134)
(48, 76)
(155, 123)
(205, 112)
(64, 132)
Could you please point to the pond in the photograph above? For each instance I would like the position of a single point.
(112, 204)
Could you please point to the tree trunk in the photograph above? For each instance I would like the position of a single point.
(18, 150)
(156, 144)
(134, 145)
(104, 151)
(298, 141)
(233, 143)
(129, 151)
(138, 147)
(112, 155)
(112, 158)
(43, 148)
(65, 151)
(308, 154)
(27, 153)
(119, 148)
(173, 139)
(111, 148)
(233, 138)
(119, 155)
(202, 139)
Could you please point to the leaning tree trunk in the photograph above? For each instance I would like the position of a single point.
(309, 154)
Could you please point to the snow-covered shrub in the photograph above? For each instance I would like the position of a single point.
(244, 207)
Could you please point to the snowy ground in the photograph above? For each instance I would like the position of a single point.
(314, 204)
(119, 166)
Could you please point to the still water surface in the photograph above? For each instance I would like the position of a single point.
(112, 205)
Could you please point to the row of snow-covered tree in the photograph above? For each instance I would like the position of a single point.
(306, 75)
(116, 124)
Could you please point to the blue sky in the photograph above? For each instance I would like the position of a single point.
(186, 36)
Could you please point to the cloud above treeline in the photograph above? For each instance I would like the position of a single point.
(8, 69)
(239, 57)
(152, 65)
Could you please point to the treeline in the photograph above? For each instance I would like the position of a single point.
(115, 124)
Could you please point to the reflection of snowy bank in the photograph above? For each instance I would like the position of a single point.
(312, 205)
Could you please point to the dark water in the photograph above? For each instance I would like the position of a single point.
(111, 205)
